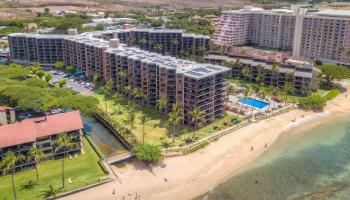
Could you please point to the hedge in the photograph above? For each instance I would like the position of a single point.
(97, 150)
(103, 167)
(332, 94)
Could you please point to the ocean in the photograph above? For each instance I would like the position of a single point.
(312, 164)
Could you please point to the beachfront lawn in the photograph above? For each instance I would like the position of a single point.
(82, 171)
(156, 131)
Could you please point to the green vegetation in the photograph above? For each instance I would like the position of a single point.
(82, 171)
(334, 72)
(313, 102)
(147, 152)
(22, 88)
(159, 128)
(61, 24)
(201, 26)
(332, 94)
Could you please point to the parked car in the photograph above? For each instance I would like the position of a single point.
(60, 73)
(54, 81)
(65, 75)
(69, 87)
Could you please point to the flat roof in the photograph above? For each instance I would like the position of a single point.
(30, 129)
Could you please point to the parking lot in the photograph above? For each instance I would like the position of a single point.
(72, 84)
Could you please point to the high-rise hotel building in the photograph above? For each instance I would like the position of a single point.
(309, 33)
(184, 82)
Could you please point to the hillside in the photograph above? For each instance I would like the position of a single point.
(28, 8)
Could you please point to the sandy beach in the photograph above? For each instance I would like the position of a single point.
(185, 177)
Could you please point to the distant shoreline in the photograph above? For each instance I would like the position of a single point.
(191, 175)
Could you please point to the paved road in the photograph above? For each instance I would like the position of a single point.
(74, 84)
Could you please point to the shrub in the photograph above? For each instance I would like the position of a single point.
(313, 102)
(148, 153)
(332, 94)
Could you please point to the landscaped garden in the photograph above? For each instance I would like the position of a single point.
(151, 126)
(82, 171)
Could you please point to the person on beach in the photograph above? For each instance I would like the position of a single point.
(252, 148)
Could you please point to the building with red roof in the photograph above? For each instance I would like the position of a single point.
(7, 115)
(41, 132)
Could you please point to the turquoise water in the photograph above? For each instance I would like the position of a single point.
(254, 103)
(311, 164)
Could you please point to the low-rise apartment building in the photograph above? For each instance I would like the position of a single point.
(40, 132)
(309, 33)
(302, 76)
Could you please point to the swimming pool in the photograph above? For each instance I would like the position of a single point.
(253, 102)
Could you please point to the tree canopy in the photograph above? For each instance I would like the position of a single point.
(313, 102)
(148, 152)
(20, 89)
(334, 71)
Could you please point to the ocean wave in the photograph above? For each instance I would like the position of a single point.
(300, 121)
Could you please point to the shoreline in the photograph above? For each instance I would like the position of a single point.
(189, 176)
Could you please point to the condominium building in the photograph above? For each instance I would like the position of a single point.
(165, 41)
(7, 115)
(256, 26)
(302, 76)
(309, 33)
(41, 133)
(184, 82)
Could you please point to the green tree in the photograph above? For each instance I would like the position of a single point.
(48, 77)
(334, 72)
(40, 73)
(175, 118)
(144, 119)
(70, 69)
(148, 153)
(117, 96)
(138, 94)
(123, 75)
(246, 73)
(162, 104)
(9, 166)
(313, 102)
(35, 154)
(64, 143)
(62, 82)
(196, 116)
(131, 108)
(59, 65)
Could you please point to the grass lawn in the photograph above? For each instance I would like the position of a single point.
(156, 131)
(83, 171)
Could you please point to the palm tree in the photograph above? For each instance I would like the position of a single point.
(175, 118)
(64, 143)
(143, 41)
(259, 78)
(127, 90)
(35, 154)
(162, 103)
(117, 96)
(131, 107)
(123, 74)
(196, 114)
(287, 89)
(158, 47)
(9, 166)
(138, 94)
(246, 73)
(175, 42)
(144, 120)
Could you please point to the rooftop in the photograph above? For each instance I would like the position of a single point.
(30, 129)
